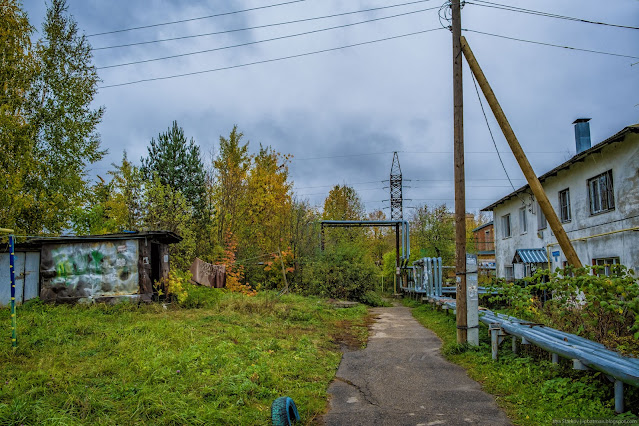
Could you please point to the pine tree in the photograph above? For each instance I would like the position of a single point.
(177, 163)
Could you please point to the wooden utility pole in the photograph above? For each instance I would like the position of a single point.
(460, 192)
(526, 168)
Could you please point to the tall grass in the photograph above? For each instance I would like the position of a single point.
(223, 360)
(528, 386)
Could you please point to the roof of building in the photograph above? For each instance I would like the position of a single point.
(480, 227)
(618, 137)
(537, 255)
(166, 237)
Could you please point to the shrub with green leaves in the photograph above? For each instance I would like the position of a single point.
(342, 271)
(598, 307)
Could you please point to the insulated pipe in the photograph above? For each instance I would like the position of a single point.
(595, 357)
(636, 228)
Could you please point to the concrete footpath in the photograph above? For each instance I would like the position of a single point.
(401, 379)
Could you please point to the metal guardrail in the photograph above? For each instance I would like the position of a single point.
(584, 353)
(480, 290)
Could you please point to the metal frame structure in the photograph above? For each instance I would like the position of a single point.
(400, 261)
(396, 200)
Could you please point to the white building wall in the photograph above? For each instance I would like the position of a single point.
(623, 159)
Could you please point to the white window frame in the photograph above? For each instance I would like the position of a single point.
(523, 220)
(542, 223)
(607, 263)
(565, 213)
(601, 193)
(506, 225)
(509, 273)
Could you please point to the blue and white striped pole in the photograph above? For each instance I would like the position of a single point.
(12, 271)
(12, 268)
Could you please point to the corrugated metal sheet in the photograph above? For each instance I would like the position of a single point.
(531, 256)
(27, 277)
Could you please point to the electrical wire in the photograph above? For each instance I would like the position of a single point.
(271, 60)
(181, 55)
(342, 156)
(259, 26)
(410, 152)
(551, 45)
(545, 14)
(493, 137)
(196, 19)
(330, 186)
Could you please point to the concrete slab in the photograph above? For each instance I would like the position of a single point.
(402, 379)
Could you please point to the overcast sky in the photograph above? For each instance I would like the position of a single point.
(342, 113)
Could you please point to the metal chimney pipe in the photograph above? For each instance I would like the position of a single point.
(582, 134)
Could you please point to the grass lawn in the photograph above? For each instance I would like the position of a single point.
(223, 362)
(528, 386)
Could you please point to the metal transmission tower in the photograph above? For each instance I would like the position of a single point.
(396, 189)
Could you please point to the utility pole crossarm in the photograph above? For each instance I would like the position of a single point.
(520, 156)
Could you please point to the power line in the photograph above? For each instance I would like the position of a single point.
(545, 14)
(552, 45)
(259, 26)
(195, 19)
(412, 152)
(451, 180)
(342, 156)
(271, 60)
(483, 111)
(347, 184)
(180, 55)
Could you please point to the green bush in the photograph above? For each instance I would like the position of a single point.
(342, 271)
(372, 298)
(598, 307)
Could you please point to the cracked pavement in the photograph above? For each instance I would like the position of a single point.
(402, 379)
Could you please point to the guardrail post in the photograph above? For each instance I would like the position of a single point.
(494, 339)
(555, 358)
(578, 365)
(514, 344)
(619, 408)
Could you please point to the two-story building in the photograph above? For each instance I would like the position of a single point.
(484, 236)
(596, 197)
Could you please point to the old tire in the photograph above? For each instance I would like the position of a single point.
(284, 412)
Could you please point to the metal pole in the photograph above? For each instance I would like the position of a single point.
(460, 193)
(12, 267)
(526, 168)
(397, 269)
(619, 408)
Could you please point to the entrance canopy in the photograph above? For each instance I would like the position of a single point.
(537, 255)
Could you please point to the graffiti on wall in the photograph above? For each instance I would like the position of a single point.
(91, 269)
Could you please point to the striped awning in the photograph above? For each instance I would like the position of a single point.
(537, 255)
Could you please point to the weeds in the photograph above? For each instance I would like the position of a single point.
(219, 358)
(531, 389)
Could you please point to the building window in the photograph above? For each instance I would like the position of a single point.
(564, 205)
(505, 223)
(606, 265)
(510, 273)
(522, 220)
(541, 219)
(601, 193)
